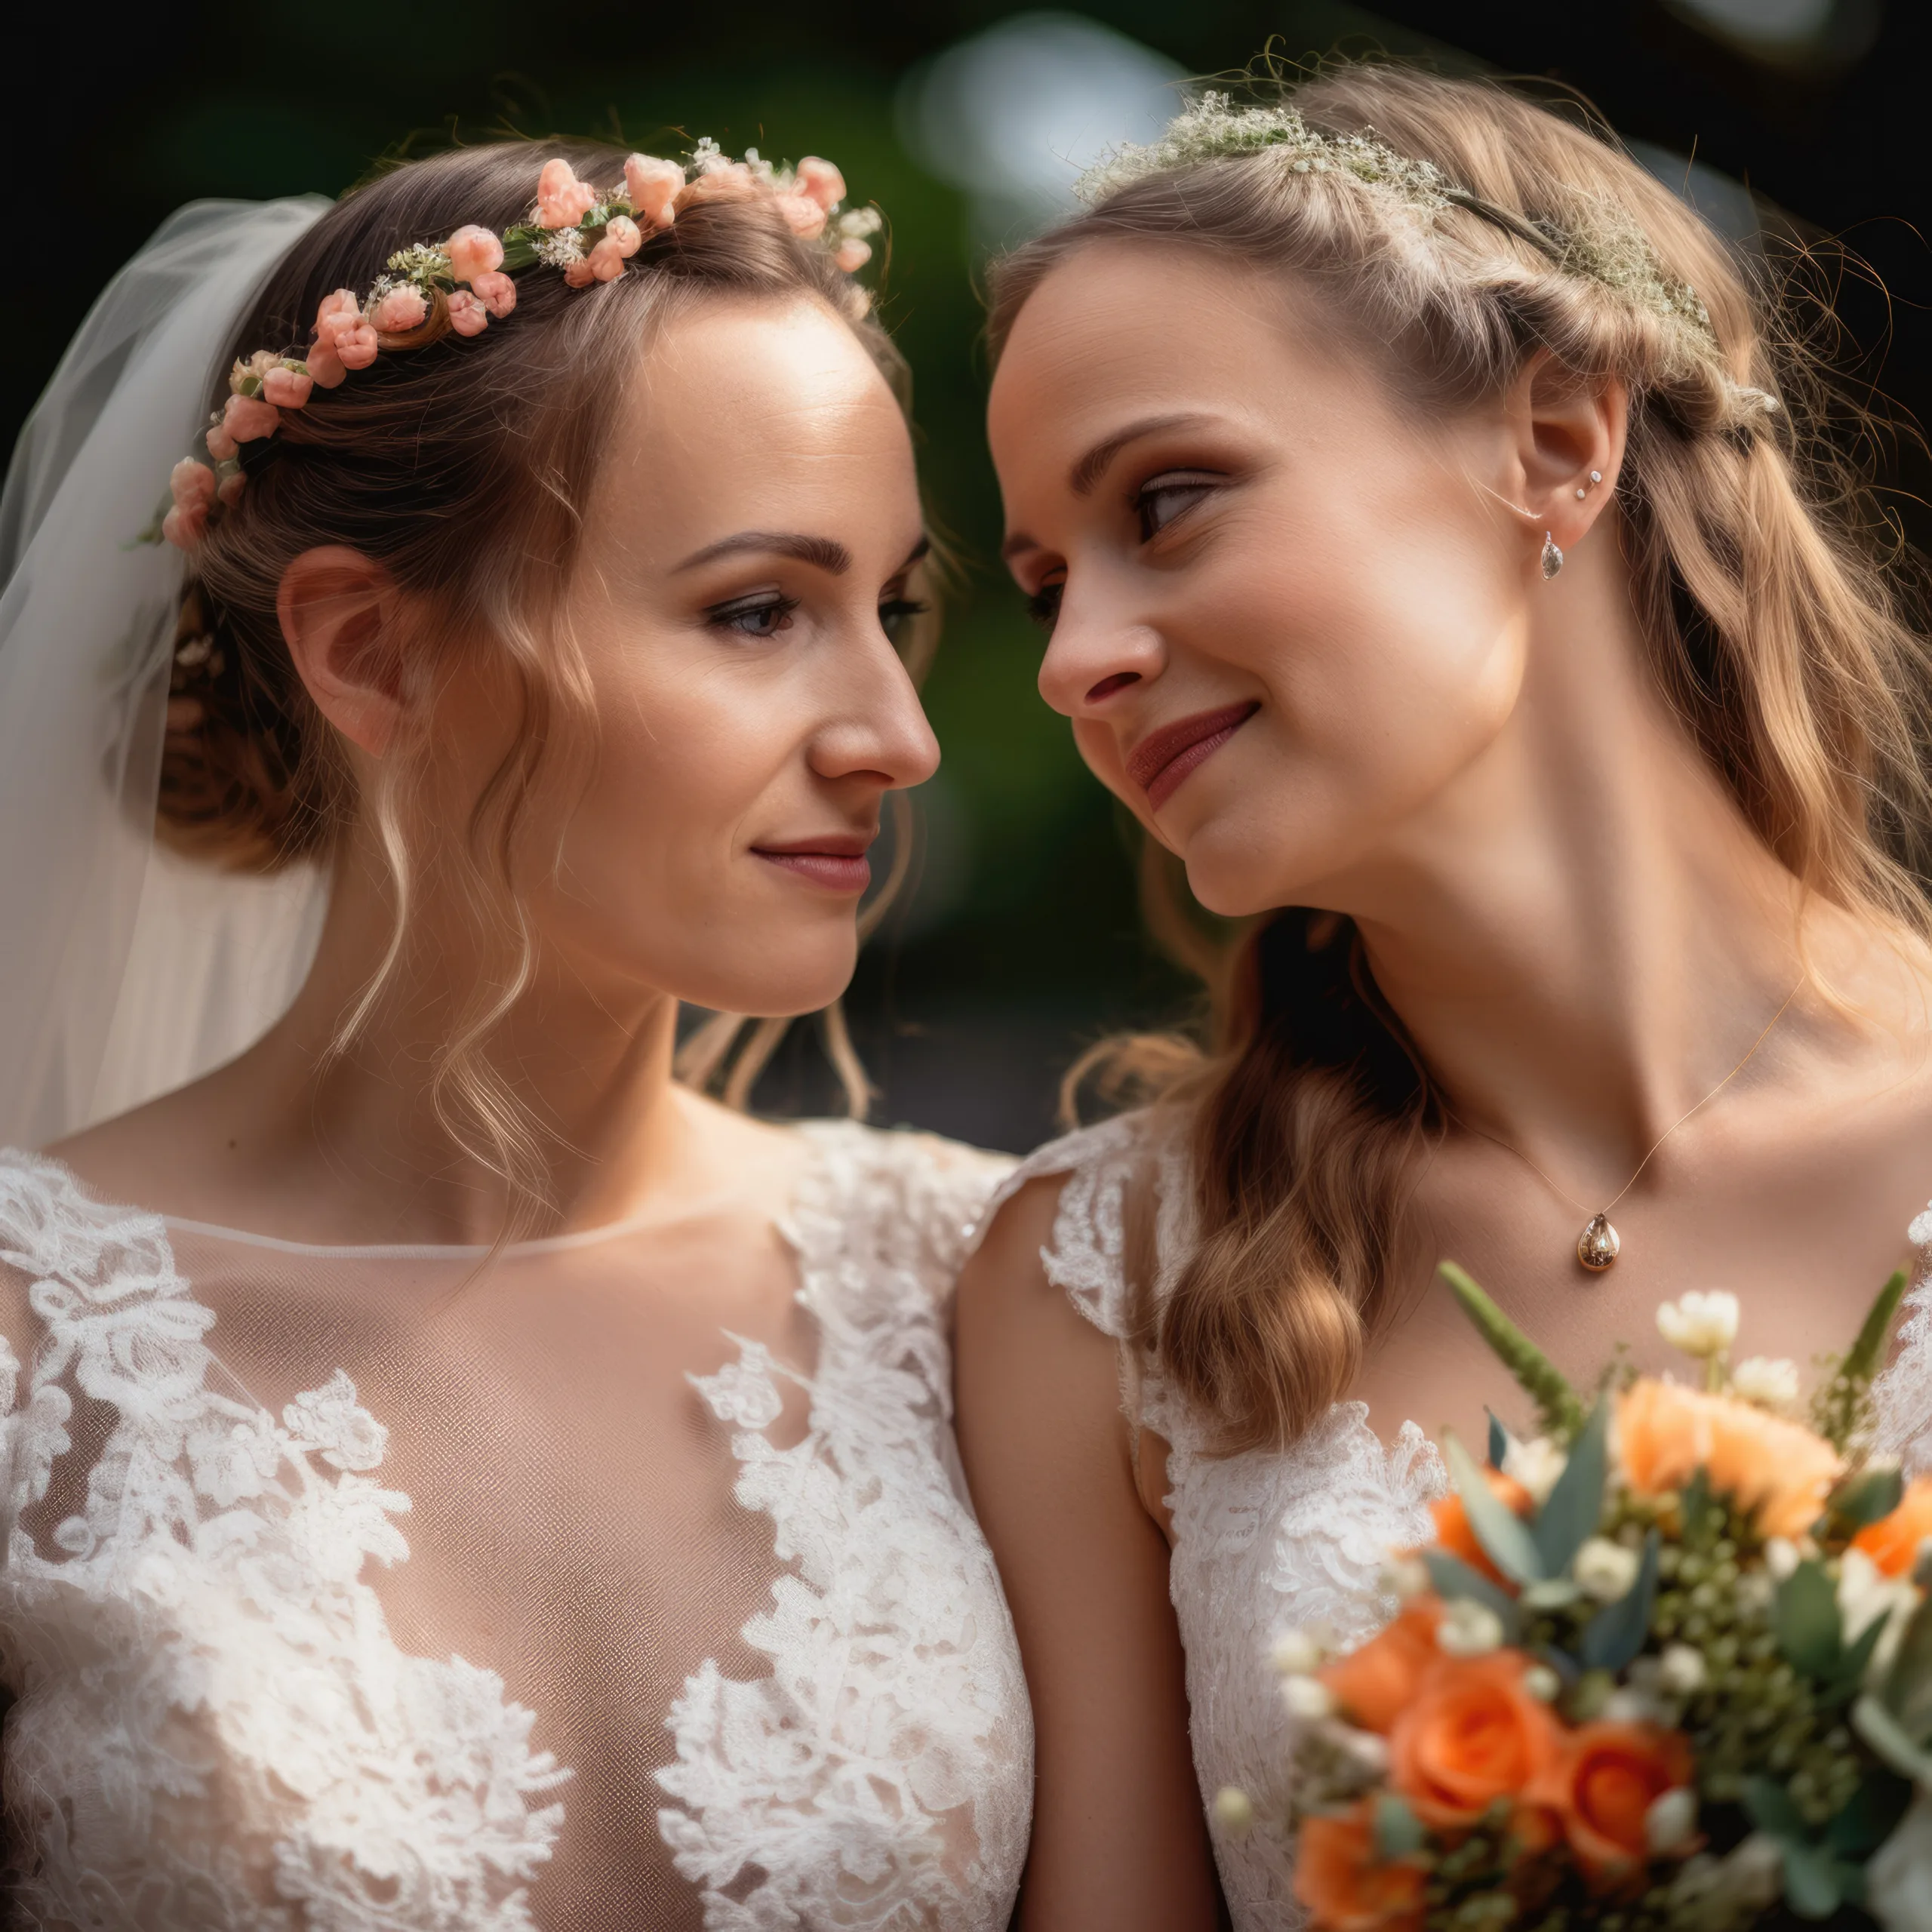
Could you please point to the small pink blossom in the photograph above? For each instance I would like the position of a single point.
(562, 200)
(473, 251)
(727, 181)
(221, 444)
(625, 232)
(336, 312)
(606, 261)
(231, 487)
(652, 187)
(184, 528)
(401, 309)
(468, 316)
(356, 346)
(803, 215)
(581, 273)
(820, 182)
(246, 418)
(853, 254)
(324, 365)
(286, 388)
(192, 484)
(496, 293)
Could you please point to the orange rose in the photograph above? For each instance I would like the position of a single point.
(1601, 1786)
(1345, 1887)
(1373, 1684)
(1892, 1542)
(1453, 1532)
(1777, 1470)
(1469, 1735)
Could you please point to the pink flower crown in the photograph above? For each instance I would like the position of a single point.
(462, 284)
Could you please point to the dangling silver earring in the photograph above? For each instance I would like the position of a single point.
(1553, 558)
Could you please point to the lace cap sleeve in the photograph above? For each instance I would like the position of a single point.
(1901, 1396)
(1104, 1164)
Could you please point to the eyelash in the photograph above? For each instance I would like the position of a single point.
(1194, 488)
(737, 617)
(897, 610)
(1042, 607)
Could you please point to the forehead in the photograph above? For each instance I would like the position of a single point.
(757, 404)
(1122, 330)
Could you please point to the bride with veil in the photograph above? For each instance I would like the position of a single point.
(456, 1476)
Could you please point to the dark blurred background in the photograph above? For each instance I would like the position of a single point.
(968, 122)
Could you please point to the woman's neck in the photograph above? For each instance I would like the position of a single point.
(589, 1065)
(1585, 935)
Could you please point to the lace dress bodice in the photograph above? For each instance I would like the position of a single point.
(1264, 1541)
(627, 1581)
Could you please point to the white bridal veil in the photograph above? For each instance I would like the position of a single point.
(123, 971)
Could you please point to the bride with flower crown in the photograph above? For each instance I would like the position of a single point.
(456, 1475)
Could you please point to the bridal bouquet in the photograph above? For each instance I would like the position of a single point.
(1667, 1665)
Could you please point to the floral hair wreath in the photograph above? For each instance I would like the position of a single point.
(461, 285)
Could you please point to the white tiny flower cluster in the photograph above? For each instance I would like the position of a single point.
(1701, 1324)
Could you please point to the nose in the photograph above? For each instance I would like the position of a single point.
(881, 732)
(1094, 654)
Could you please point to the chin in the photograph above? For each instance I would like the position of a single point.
(799, 980)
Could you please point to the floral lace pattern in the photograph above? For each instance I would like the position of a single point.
(1261, 1541)
(1902, 1394)
(198, 1641)
(882, 1775)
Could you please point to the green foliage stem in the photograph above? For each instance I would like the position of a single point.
(1558, 1410)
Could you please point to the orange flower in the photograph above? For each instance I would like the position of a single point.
(1892, 1542)
(1373, 1684)
(1470, 1734)
(1345, 1887)
(1602, 1785)
(1453, 1532)
(1779, 1471)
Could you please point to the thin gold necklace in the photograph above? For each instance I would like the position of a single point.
(1598, 1246)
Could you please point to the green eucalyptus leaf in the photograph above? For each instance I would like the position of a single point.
(1398, 1832)
(1506, 1540)
(1890, 1743)
(1866, 1497)
(1805, 1618)
(1552, 1593)
(1453, 1578)
(1908, 1686)
(1869, 1817)
(1770, 1807)
(1811, 1881)
(1499, 1441)
(1616, 1633)
(1856, 1658)
(1569, 1516)
(1862, 1360)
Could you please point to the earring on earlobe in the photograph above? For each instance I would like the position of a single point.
(1553, 558)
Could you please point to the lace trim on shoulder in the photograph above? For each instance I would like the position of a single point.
(1902, 1395)
(204, 1625)
(882, 1772)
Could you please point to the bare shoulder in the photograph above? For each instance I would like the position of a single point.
(167, 1155)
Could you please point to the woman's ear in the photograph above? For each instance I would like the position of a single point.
(1565, 439)
(340, 613)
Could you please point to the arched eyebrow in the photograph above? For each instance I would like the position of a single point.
(821, 552)
(1091, 467)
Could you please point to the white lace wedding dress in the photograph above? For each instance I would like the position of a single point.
(626, 1582)
(1266, 1541)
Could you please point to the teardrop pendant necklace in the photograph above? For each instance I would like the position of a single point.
(1599, 1244)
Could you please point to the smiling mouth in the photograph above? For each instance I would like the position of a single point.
(836, 863)
(1164, 759)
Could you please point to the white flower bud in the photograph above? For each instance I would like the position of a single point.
(1605, 1569)
(1468, 1629)
(1671, 1823)
(1295, 1654)
(1542, 1683)
(1406, 1578)
(1681, 1670)
(1308, 1699)
(1536, 1465)
(1754, 1873)
(1781, 1557)
(1370, 1752)
(1700, 1324)
(1234, 1811)
(1771, 1382)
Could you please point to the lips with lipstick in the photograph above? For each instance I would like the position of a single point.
(1164, 759)
(835, 860)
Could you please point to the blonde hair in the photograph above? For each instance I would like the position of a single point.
(463, 467)
(1773, 596)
